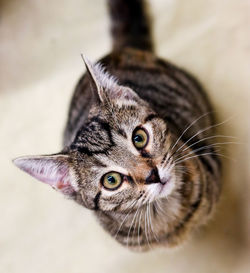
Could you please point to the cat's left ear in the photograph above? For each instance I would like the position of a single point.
(53, 170)
(105, 86)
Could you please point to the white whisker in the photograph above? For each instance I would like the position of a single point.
(201, 131)
(138, 230)
(192, 123)
(180, 161)
(206, 138)
(125, 217)
(151, 225)
(206, 147)
(130, 226)
(145, 224)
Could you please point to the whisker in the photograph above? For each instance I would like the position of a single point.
(180, 161)
(206, 147)
(199, 132)
(138, 230)
(125, 217)
(206, 138)
(159, 206)
(145, 225)
(131, 225)
(136, 219)
(151, 226)
(189, 126)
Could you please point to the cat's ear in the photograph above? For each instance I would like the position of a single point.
(95, 75)
(53, 170)
(105, 86)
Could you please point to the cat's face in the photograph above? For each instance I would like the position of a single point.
(118, 159)
(126, 160)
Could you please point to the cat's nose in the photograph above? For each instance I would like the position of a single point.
(153, 177)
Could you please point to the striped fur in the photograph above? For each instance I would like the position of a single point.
(174, 101)
(130, 25)
(171, 186)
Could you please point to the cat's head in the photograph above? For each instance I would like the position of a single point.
(119, 159)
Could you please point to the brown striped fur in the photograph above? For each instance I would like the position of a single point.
(154, 94)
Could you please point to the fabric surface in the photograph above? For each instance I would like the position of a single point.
(40, 46)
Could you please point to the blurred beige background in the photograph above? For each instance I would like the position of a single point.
(40, 46)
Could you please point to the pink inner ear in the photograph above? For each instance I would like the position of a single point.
(51, 170)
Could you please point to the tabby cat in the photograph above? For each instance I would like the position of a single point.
(138, 147)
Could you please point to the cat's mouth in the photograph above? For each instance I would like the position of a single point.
(165, 187)
(164, 183)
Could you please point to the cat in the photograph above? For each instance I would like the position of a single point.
(138, 143)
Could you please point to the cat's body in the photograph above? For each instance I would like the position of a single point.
(167, 187)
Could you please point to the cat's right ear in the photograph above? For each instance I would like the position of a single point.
(54, 170)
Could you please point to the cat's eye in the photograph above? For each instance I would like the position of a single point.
(112, 180)
(140, 138)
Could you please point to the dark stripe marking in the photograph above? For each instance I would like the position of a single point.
(150, 117)
(194, 207)
(121, 132)
(96, 200)
(79, 140)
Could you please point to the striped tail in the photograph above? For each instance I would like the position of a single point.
(130, 24)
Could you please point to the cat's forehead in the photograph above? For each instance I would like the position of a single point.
(105, 121)
(94, 137)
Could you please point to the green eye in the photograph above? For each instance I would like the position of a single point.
(140, 138)
(112, 180)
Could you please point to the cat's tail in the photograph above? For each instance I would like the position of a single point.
(130, 24)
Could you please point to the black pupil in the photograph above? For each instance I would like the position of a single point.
(111, 179)
(138, 138)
